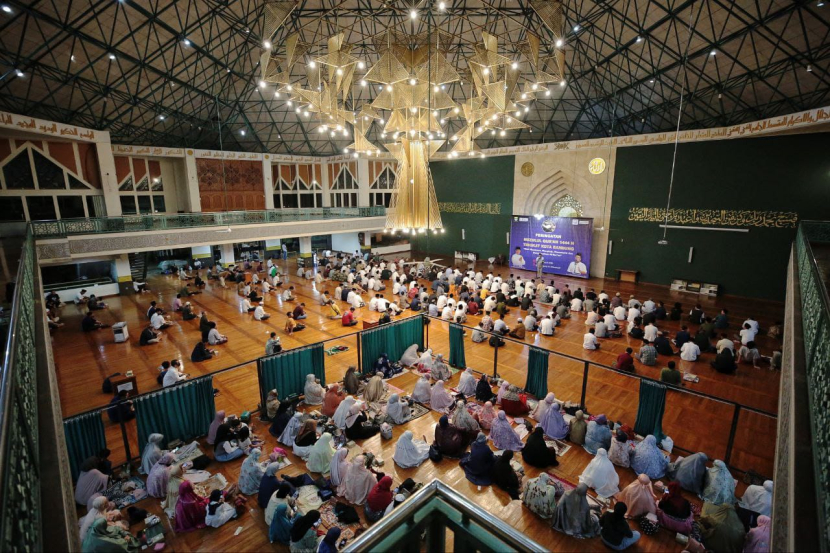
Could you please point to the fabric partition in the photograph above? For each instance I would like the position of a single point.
(182, 412)
(392, 339)
(85, 437)
(286, 372)
(650, 410)
(537, 373)
(457, 358)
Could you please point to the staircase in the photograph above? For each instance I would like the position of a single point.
(138, 266)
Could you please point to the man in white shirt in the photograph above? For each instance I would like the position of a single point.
(602, 296)
(260, 314)
(725, 342)
(753, 324)
(288, 295)
(592, 318)
(649, 306)
(633, 302)
(577, 267)
(81, 297)
(517, 260)
(501, 327)
(610, 321)
(689, 351)
(576, 304)
(619, 313)
(747, 334)
(357, 301)
(601, 329)
(633, 313)
(373, 303)
(214, 338)
(546, 326)
(442, 301)
(490, 304)
(446, 313)
(172, 376)
(589, 341)
(247, 306)
(158, 321)
(650, 332)
(530, 323)
(383, 304)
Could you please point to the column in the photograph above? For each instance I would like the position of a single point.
(227, 254)
(324, 182)
(363, 182)
(305, 247)
(203, 254)
(268, 181)
(192, 182)
(366, 246)
(123, 273)
(273, 248)
(109, 181)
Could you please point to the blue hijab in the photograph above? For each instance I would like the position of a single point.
(598, 435)
(478, 464)
(648, 460)
(329, 543)
(280, 530)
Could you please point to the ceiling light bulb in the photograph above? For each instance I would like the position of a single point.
(412, 81)
(502, 133)
(363, 82)
(288, 88)
(560, 43)
(161, 117)
(547, 92)
(388, 87)
(576, 28)
(242, 132)
(267, 44)
(413, 109)
(305, 114)
(186, 42)
(339, 71)
(435, 88)
(493, 132)
(535, 86)
(413, 14)
(321, 129)
(527, 109)
(382, 121)
(289, 103)
(112, 56)
(518, 113)
(412, 132)
(18, 72)
(524, 96)
(515, 65)
(713, 52)
(339, 128)
(639, 38)
(361, 65)
(261, 84)
(7, 9)
(312, 64)
(443, 121)
(486, 71)
(455, 110)
(345, 150)
(276, 94)
(562, 82)
(442, 6)
(331, 134)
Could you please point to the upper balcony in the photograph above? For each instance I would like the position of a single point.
(68, 239)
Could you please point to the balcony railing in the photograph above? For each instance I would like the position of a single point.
(141, 223)
(435, 509)
(19, 463)
(815, 317)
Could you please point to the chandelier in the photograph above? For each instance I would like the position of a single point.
(411, 107)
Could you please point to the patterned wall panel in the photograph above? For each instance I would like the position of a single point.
(237, 186)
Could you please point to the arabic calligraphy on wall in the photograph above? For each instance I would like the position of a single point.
(470, 208)
(717, 217)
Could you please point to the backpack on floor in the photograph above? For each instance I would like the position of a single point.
(106, 387)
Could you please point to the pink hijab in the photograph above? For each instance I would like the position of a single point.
(488, 413)
(159, 476)
(214, 426)
(757, 541)
(440, 399)
(190, 509)
(639, 497)
(502, 389)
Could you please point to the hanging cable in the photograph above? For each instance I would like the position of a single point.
(663, 241)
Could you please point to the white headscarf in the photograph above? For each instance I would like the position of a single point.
(439, 399)
(410, 453)
(502, 388)
(426, 359)
(467, 383)
(410, 356)
(291, 429)
(758, 498)
(354, 412)
(338, 466)
(152, 453)
(543, 407)
(358, 483)
(463, 419)
(98, 510)
(397, 410)
(422, 392)
(313, 391)
(342, 412)
(320, 455)
(601, 475)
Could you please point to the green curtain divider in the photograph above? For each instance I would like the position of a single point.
(650, 410)
(392, 339)
(457, 358)
(85, 437)
(181, 412)
(286, 372)
(537, 373)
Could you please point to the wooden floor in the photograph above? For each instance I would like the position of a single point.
(83, 360)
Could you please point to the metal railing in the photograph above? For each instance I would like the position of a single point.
(737, 408)
(815, 317)
(19, 457)
(434, 509)
(140, 223)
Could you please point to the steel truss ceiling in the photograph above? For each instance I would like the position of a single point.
(185, 73)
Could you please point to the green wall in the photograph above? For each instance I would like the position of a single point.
(786, 173)
(488, 180)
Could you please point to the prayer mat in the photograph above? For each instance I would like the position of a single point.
(336, 349)
(188, 452)
(566, 485)
(453, 371)
(560, 446)
(215, 482)
(330, 520)
(123, 498)
(532, 404)
(418, 411)
(521, 431)
(308, 500)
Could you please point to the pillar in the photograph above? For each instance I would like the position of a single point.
(363, 182)
(123, 273)
(109, 181)
(192, 182)
(273, 248)
(268, 181)
(203, 254)
(366, 246)
(305, 247)
(227, 254)
(326, 185)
